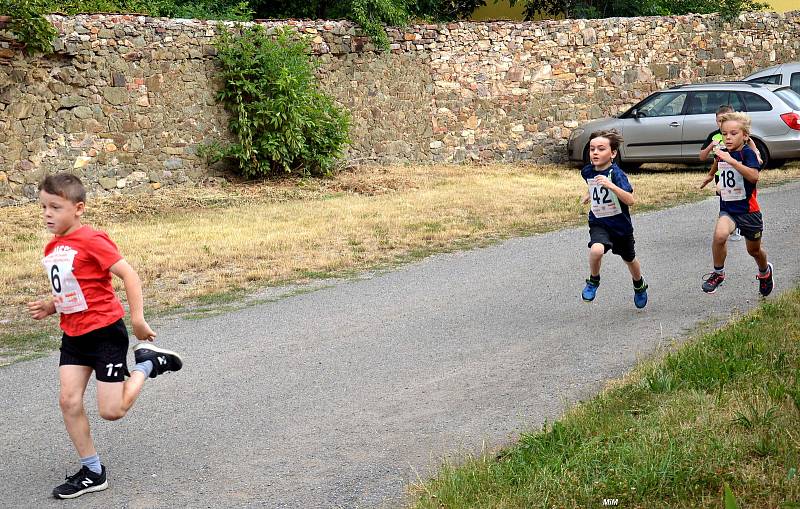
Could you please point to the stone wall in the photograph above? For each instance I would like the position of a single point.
(126, 100)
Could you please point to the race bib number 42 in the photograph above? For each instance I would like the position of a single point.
(604, 202)
(67, 294)
(731, 183)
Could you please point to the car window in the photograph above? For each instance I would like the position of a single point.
(700, 103)
(790, 97)
(774, 79)
(794, 82)
(663, 105)
(736, 102)
(753, 102)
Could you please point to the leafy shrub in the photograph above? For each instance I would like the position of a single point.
(27, 24)
(282, 121)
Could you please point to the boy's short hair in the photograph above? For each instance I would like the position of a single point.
(737, 116)
(65, 185)
(725, 108)
(613, 136)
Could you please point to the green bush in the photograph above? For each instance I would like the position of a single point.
(27, 24)
(283, 123)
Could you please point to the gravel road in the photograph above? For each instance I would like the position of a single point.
(341, 396)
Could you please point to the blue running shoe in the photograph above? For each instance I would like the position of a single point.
(640, 296)
(590, 290)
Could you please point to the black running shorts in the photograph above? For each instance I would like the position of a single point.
(619, 245)
(751, 224)
(104, 349)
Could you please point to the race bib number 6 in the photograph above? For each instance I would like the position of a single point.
(604, 202)
(731, 183)
(67, 295)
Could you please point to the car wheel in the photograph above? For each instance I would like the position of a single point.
(762, 149)
(626, 166)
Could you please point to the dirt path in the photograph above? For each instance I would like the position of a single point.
(341, 396)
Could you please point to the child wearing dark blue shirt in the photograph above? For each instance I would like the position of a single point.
(738, 169)
(610, 226)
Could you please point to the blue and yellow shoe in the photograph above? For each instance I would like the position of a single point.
(590, 290)
(640, 295)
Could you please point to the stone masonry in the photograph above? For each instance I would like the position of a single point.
(125, 101)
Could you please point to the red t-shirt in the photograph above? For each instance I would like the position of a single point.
(77, 265)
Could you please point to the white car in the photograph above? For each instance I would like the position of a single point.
(782, 74)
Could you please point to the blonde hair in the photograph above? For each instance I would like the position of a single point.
(737, 116)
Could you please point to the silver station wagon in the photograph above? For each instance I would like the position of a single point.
(670, 126)
(783, 74)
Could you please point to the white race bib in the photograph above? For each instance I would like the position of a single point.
(67, 294)
(731, 183)
(604, 202)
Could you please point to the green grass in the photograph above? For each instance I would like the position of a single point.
(723, 409)
(28, 345)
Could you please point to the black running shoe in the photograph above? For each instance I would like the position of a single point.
(84, 481)
(711, 281)
(163, 360)
(765, 283)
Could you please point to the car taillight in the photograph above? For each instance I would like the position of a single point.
(792, 119)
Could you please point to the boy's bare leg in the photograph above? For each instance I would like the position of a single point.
(114, 399)
(73, 385)
(758, 253)
(596, 253)
(635, 268)
(719, 244)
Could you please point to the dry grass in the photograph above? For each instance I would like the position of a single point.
(193, 242)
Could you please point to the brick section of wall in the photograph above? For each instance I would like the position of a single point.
(126, 100)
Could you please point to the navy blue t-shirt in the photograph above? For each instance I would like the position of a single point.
(747, 157)
(620, 224)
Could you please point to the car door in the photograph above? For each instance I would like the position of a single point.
(701, 118)
(653, 131)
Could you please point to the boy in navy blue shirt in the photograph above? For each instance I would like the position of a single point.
(738, 169)
(610, 226)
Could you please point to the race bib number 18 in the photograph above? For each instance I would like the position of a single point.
(604, 202)
(67, 294)
(731, 183)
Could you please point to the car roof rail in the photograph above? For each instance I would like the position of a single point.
(713, 83)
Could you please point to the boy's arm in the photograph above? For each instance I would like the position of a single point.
(624, 196)
(41, 309)
(754, 148)
(133, 291)
(710, 175)
(751, 174)
(707, 150)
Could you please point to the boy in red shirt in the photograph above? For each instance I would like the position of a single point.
(79, 262)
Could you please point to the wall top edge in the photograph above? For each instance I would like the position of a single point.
(340, 23)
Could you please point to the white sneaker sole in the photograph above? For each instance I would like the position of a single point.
(152, 348)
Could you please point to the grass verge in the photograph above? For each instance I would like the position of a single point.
(206, 246)
(721, 410)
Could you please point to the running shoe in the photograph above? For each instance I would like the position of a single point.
(84, 481)
(736, 235)
(590, 290)
(163, 360)
(711, 281)
(640, 295)
(765, 282)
